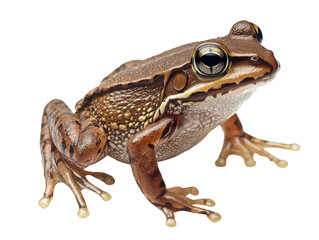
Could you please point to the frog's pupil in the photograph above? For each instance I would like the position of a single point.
(210, 59)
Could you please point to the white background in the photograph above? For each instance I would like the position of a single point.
(63, 49)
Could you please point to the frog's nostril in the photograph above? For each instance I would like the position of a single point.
(254, 58)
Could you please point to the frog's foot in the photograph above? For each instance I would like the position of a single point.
(174, 200)
(75, 177)
(246, 146)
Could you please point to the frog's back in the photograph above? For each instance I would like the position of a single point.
(152, 66)
(141, 72)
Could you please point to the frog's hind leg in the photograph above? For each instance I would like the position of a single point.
(237, 142)
(67, 148)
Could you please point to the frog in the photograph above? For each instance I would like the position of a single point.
(151, 110)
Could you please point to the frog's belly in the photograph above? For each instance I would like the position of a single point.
(200, 119)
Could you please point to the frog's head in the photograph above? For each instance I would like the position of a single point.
(229, 62)
(236, 58)
(222, 65)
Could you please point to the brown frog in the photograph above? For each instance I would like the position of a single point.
(152, 110)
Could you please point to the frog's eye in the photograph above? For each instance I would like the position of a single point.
(258, 33)
(210, 61)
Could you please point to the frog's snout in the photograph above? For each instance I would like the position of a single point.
(274, 63)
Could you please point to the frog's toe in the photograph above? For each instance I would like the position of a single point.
(214, 217)
(184, 191)
(83, 212)
(170, 218)
(220, 162)
(204, 201)
(106, 178)
(170, 222)
(52, 177)
(269, 144)
(249, 161)
(45, 201)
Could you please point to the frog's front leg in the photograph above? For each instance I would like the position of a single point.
(141, 150)
(237, 142)
(69, 143)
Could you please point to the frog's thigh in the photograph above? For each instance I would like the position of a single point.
(78, 137)
(68, 144)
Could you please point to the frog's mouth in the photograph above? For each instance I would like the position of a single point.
(229, 87)
(200, 92)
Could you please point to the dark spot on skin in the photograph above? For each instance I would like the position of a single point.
(162, 184)
(56, 120)
(87, 127)
(155, 173)
(156, 204)
(236, 122)
(99, 151)
(88, 160)
(45, 141)
(186, 209)
(162, 194)
(47, 195)
(173, 128)
(151, 146)
(60, 127)
(166, 130)
(59, 160)
(132, 160)
(168, 204)
(71, 150)
(63, 145)
(84, 117)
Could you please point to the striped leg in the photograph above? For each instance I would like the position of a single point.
(141, 150)
(69, 144)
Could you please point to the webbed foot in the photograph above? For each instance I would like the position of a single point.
(58, 170)
(175, 200)
(246, 146)
(237, 142)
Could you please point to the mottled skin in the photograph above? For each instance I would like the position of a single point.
(154, 109)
